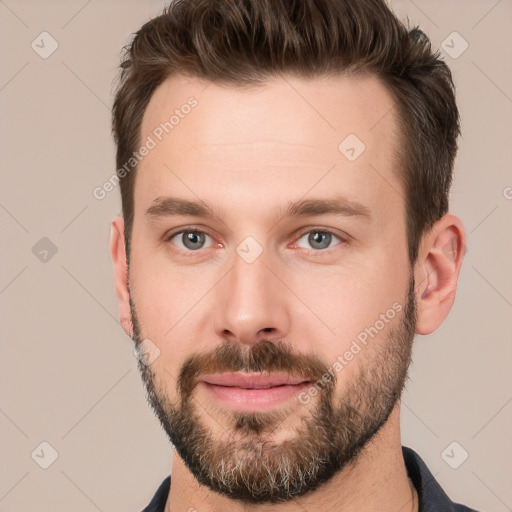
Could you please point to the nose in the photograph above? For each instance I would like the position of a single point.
(252, 303)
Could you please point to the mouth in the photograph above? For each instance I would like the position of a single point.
(252, 381)
(253, 392)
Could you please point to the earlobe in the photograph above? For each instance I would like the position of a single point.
(118, 254)
(437, 271)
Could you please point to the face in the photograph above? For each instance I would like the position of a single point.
(269, 273)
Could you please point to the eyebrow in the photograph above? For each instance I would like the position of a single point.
(175, 206)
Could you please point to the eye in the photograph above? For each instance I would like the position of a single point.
(189, 240)
(318, 239)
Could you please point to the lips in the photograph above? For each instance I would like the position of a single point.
(244, 392)
(252, 381)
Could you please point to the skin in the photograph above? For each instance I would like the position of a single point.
(247, 154)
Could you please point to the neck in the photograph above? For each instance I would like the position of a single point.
(377, 481)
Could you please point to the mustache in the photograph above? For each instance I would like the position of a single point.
(264, 357)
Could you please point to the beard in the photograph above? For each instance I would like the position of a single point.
(242, 461)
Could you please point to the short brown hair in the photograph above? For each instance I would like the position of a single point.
(245, 42)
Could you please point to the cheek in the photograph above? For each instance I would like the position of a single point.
(352, 301)
(165, 302)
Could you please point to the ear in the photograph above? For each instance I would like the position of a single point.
(118, 253)
(437, 270)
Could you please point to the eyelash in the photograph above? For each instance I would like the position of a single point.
(320, 252)
(342, 240)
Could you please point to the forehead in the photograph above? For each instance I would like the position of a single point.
(329, 105)
(288, 135)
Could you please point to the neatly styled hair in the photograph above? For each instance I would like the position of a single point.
(247, 42)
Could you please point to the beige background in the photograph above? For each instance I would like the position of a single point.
(68, 374)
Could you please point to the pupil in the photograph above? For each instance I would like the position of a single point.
(192, 240)
(318, 237)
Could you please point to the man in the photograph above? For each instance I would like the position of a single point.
(284, 171)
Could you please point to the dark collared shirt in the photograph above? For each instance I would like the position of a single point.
(430, 495)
